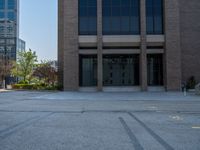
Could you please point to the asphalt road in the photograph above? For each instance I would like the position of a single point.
(99, 121)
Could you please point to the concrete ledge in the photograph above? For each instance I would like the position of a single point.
(121, 40)
(122, 89)
(87, 41)
(156, 88)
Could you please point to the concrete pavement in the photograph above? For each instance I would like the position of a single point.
(99, 121)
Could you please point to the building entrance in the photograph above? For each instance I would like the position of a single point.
(120, 70)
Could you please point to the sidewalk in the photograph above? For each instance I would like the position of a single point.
(163, 96)
(4, 90)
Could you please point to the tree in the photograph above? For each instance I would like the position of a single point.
(23, 68)
(46, 72)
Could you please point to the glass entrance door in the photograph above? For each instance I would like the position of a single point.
(120, 70)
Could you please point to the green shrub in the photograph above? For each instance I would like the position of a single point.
(23, 82)
(24, 86)
(41, 86)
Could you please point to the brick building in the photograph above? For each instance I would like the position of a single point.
(128, 44)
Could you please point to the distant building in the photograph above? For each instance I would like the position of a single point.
(9, 29)
(54, 64)
(135, 44)
(21, 45)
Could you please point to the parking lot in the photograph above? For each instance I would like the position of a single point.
(99, 121)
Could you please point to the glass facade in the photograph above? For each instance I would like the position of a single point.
(11, 4)
(155, 69)
(154, 13)
(8, 29)
(87, 17)
(121, 17)
(2, 15)
(120, 70)
(88, 70)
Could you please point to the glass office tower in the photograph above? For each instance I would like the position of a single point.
(9, 28)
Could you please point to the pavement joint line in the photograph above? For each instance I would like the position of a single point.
(15, 128)
(133, 138)
(102, 111)
(152, 133)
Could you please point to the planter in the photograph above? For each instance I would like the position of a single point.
(9, 87)
(197, 89)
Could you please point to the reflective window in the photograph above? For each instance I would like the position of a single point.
(87, 17)
(155, 69)
(11, 16)
(2, 15)
(2, 4)
(120, 70)
(154, 13)
(121, 17)
(88, 70)
(11, 4)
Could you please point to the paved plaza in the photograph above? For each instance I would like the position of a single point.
(99, 121)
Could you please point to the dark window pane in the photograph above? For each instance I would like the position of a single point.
(115, 25)
(107, 11)
(83, 3)
(11, 4)
(83, 11)
(87, 17)
(125, 11)
(11, 16)
(116, 11)
(116, 3)
(106, 25)
(125, 25)
(92, 11)
(92, 3)
(2, 15)
(88, 71)
(83, 27)
(106, 3)
(2, 4)
(135, 29)
(154, 13)
(155, 69)
(120, 12)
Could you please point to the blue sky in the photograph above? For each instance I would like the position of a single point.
(38, 27)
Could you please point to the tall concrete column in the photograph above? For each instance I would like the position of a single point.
(172, 45)
(60, 42)
(143, 45)
(70, 45)
(99, 46)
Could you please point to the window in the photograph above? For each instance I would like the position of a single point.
(155, 69)
(2, 16)
(2, 4)
(88, 70)
(11, 16)
(11, 4)
(87, 17)
(121, 17)
(120, 70)
(154, 13)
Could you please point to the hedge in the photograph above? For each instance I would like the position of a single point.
(26, 86)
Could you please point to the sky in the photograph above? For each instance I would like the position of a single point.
(38, 27)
